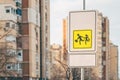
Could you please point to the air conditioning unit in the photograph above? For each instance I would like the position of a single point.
(19, 52)
(9, 67)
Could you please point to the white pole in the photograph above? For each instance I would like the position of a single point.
(82, 73)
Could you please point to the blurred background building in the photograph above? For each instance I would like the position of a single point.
(113, 74)
(58, 66)
(25, 34)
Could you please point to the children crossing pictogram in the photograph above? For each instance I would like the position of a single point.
(82, 39)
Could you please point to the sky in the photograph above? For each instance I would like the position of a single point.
(59, 9)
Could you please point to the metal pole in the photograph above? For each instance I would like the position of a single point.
(84, 5)
(82, 69)
(82, 73)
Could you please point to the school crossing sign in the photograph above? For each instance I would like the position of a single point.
(82, 46)
(82, 39)
(82, 32)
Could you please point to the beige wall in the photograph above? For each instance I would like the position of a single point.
(4, 44)
(31, 40)
(113, 75)
(7, 2)
(4, 33)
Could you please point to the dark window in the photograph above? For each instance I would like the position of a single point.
(7, 10)
(37, 48)
(18, 4)
(19, 54)
(19, 11)
(45, 16)
(7, 24)
(8, 67)
(36, 65)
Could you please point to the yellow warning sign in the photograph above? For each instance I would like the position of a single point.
(82, 39)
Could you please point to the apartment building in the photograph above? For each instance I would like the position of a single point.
(26, 26)
(101, 70)
(37, 37)
(30, 39)
(113, 58)
(58, 67)
(44, 39)
(10, 18)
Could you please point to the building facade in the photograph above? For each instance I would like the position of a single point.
(113, 74)
(58, 67)
(101, 71)
(30, 39)
(10, 18)
(25, 25)
(44, 38)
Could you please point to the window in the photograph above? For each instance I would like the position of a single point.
(45, 16)
(20, 66)
(19, 11)
(8, 66)
(10, 38)
(46, 28)
(7, 24)
(7, 10)
(37, 57)
(36, 32)
(19, 55)
(13, 26)
(46, 39)
(37, 47)
(37, 65)
(13, 11)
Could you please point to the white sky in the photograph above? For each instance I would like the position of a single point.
(60, 9)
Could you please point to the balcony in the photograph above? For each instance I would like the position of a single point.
(11, 31)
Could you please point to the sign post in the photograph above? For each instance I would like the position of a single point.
(82, 73)
(82, 38)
